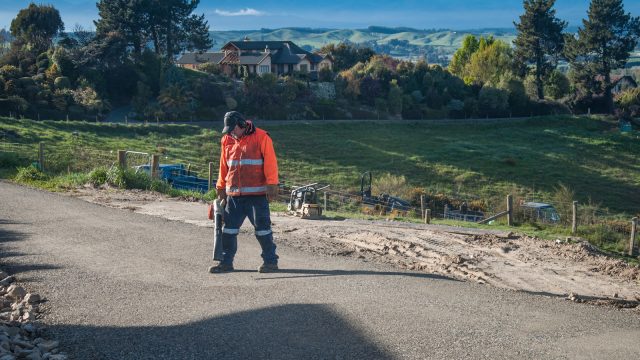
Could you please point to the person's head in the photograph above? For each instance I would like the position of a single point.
(234, 123)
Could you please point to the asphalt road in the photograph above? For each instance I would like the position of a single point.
(122, 285)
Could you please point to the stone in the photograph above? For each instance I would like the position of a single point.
(8, 357)
(35, 355)
(47, 346)
(23, 344)
(30, 328)
(16, 292)
(57, 357)
(28, 316)
(3, 274)
(7, 280)
(32, 298)
(6, 345)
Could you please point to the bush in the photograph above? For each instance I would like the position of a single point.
(160, 186)
(29, 173)
(10, 160)
(115, 177)
(128, 179)
(98, 176)
(628, 103)
(62, 82)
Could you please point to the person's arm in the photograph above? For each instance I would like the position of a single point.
(270, 167)
(270, 161)
(223, 169)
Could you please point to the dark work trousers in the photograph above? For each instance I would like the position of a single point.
(256, 208)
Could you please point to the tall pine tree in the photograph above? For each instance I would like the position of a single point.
(173, 27)
(128, 18)
(168, 25)
(603, 44)
(539, 41)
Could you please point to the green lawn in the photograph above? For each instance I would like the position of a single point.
(586, 154)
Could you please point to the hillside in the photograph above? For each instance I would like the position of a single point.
(588, 155)
(437, 45)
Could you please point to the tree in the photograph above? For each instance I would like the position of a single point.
(346, 56)
(462, 56)
(129, 18)
(37, 25)
(173, 28)
(557, 85)
(603, 43)
(490, 64)
(540, 40)
(175, 100)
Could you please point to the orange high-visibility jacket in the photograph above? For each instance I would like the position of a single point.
(247, 164)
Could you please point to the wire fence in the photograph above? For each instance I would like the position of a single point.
(599, 225)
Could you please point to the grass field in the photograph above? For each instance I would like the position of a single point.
(588, 155)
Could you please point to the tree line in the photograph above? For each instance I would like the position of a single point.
(128, 60)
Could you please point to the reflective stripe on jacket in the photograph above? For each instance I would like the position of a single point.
(247, 164)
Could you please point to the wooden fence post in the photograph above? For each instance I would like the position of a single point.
(326, 196)
(633, 248)
(427, 216)
(41, 155)
(122, 158)
(510, 210)
(574, 220)
(446, 210)
(210, 176)
(155, 162)
(422, 206)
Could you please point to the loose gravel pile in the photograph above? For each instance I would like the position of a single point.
(21, 336)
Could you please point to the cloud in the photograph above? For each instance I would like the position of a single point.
(241, 12)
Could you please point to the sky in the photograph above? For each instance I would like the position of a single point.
(253, 14)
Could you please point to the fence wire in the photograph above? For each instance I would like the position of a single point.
(599, 225)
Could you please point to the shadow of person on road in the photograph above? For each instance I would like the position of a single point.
(291, 331)
(297, 273)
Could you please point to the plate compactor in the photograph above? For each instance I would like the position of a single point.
(304, 201)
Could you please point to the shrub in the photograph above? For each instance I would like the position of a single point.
(160, 186)
(98, 176)
(115, 177)
(128, 179)
(62, 82)
(29, 173)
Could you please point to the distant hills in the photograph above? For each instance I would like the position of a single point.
(437, 45)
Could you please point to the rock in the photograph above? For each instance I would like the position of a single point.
(615, 295)
(32, 298)
(12, 331)
(8, 357)
(7, 280)
(23, 344)
(29, 328)
(3, 274)
(28, 316)
(5, 345)
(16, 292)
(47, 346)
(35, 355)
(57, 357)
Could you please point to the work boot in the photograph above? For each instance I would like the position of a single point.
(267, 268)
(220, 268)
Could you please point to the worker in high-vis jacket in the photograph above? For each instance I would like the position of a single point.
(248, 180)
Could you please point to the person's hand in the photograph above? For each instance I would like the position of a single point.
(272, 192)
(222, 194)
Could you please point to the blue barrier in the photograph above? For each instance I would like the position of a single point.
(179, 177)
